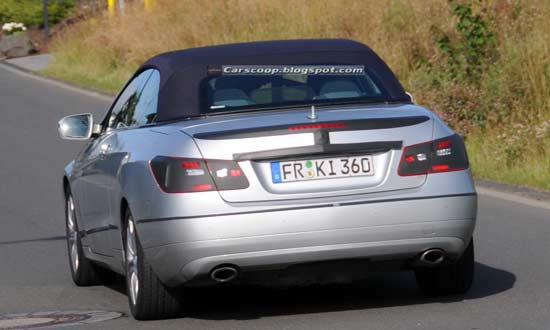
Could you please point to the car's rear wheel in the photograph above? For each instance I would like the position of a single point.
(83, 271)
(149, 298)
(450, 279)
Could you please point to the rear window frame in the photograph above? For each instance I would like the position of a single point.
(205, 109)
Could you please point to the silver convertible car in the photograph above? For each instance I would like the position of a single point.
(297, 160)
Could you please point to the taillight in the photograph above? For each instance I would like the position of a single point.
(182, 175)
(441, 155)
(227, 174)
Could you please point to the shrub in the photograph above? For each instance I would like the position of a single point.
(471, 48)
(29, 12)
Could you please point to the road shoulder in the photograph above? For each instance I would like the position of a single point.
(17, 68)
(513, 193)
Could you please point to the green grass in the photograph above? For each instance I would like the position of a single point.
(503, 109)
(529, 169)
(109, 82)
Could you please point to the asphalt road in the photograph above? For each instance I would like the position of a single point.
(511, 289)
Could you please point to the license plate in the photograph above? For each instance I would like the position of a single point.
(324, 168)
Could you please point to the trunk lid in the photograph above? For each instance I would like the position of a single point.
(258, 140)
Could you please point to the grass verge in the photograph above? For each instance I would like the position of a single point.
(482, 66)
(531, 169)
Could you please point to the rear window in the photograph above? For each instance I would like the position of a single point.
(238, 91)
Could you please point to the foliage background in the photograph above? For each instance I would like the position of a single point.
(484, 66)
(29, 12)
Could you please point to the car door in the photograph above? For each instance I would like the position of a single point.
(124, 142)
(100, 165)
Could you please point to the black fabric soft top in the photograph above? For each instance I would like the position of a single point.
(182, 71)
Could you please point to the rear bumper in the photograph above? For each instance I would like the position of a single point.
(182, 249)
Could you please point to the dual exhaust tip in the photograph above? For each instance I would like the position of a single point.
(224, 274)
(227, 273)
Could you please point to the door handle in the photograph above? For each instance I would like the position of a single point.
(104, 150)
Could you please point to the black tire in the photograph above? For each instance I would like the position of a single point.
(153, 300)
(453, 279)
(84, 272)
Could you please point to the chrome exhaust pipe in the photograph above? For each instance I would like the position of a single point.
(432, 257)
(224, 274)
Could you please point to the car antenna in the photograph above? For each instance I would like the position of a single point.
(312, 115)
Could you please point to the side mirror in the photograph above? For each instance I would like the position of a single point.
(77, 127)
(411, 97)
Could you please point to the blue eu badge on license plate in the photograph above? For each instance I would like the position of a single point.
(276, 172)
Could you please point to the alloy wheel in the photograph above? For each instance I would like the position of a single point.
(132, 261)
(72, 235)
